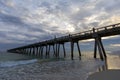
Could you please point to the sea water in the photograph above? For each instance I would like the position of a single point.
(13, 59)
(22, 67)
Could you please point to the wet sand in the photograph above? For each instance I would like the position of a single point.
(106, 75)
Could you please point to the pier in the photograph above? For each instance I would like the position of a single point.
(54, 44)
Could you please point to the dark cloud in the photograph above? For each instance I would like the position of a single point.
(5, 46)
(10, 19)
(36, 20)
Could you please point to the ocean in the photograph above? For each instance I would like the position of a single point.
(22, 67)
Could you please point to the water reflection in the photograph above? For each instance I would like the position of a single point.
(103, 67)
(112, 62)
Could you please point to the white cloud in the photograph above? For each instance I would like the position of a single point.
(38, 19)
(110, 37)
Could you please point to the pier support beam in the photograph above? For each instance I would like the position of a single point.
(49, 51)
(42, 51)
(78, 48)
(102, 47)
(46, 51)
(64, 50)
(95, 49)
(56, 50)
(54, 54)
(24, 51)
(30, 51)
(99, 45)
(36, 51)
(27, 51)
(33, 51)
(39, 51)
(72, 49)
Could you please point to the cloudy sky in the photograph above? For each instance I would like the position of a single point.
(28, 21)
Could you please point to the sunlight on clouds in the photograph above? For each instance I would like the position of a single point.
(74, 9)
(42, 16)
(111, 20)
(98, 17)
(70, 28)
(110, 37)
(91, 17)
(115, 19)
(89, 40)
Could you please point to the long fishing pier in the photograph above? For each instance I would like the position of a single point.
(96, 33)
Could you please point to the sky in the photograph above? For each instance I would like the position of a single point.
(28, 21)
